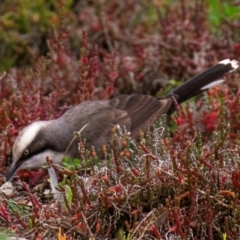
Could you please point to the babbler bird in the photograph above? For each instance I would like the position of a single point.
(97, 118)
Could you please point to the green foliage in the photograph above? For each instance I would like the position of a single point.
(21, 210)
(72, 163)
(23, 28)
(68, 194)
(224, 236)
(121, 234)
(4, 235)
(152, 14)
(171, 83)
(221, 10)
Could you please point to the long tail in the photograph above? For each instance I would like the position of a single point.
(209, 78)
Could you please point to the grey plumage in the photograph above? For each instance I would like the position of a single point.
(101, 117)
(135, 112)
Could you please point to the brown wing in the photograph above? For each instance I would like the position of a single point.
(135, 112)
(141, 109)
(101, 123)
(100, 117)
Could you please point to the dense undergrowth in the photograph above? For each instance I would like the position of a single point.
(182, 181)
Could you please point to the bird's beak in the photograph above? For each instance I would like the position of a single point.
(15, 166)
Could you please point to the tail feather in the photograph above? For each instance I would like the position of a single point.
(207, 79)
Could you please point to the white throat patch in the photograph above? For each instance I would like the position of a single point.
(25, 137)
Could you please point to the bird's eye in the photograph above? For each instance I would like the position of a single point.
(26, 152)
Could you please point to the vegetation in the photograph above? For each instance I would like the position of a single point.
(182, 181)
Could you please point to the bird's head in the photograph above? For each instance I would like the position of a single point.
(32, 146)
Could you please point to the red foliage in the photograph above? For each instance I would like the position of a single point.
(123, 51)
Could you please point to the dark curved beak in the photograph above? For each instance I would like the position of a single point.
(15, 166)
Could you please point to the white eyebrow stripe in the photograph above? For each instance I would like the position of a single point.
(26, 136)
(213, 84)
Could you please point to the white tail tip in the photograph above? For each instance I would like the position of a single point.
(234, 63)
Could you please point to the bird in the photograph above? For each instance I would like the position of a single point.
(97, 118)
